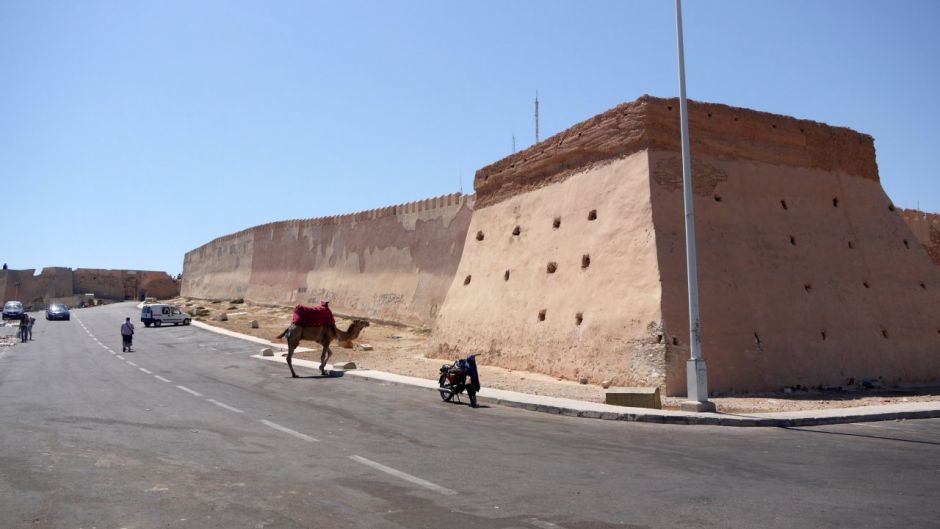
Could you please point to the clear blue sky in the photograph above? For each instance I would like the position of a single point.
(132, 132)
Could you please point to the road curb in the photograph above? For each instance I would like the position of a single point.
(591, 410)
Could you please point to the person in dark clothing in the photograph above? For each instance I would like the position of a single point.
(127, 334)
(24, 328)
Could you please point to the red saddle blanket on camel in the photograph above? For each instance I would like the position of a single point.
(308, 316)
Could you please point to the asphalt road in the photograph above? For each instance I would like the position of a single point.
(188, 431)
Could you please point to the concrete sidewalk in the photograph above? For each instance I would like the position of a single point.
(577, 408)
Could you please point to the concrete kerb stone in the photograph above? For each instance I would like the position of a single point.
(592, 410)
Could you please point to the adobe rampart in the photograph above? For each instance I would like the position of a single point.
(63, 284)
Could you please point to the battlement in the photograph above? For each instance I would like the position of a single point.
(716, 130)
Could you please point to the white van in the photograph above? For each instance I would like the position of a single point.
(158, 315)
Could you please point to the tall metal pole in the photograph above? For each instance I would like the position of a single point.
(696, 373)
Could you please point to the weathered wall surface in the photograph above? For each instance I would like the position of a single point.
(806, 277)
(926, 227)
(58, 283)
(394, 263)
(807, 273)
(597, 314)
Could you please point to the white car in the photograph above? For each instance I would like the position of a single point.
(158, 314)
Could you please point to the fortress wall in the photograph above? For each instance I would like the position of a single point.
(393, 263)
(926, 227)
(606, 274)
(60, 283)
(777, 311)
(774, 312)
(220, 268)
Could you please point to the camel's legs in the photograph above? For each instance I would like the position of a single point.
(324, 356)
(291, 345)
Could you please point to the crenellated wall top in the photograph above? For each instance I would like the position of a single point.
(416, 207)
(716, 130)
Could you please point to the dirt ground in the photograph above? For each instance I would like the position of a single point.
(403, 350)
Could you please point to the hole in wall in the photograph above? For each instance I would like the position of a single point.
(784, 204)
(709, 114)
(807, 287)
(907, 244)
(479, 235)
(884, 333)
(802, 131)
(556, 223)
(865, 284)
(890, 207)
(669, 107)
(466, 280)
(552, 267)
(793, 240)
(592, 215)
(586, 261)
(506, 276)
(736, 118)
(835, 202)
(578, 318)
(659, 338)
(851, 245)
(717, 198)
(542, 315)
(773, 125)
(923, 285)
(675, 341)
(823, 335)
(516, 230)
(757, 338)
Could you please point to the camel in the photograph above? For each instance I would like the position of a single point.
(323, 335)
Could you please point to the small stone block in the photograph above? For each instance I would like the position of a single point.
(253, 324)
(364, 347)
(267, 351)
(344, 365)
(634, 397)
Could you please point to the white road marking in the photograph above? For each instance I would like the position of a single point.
(121, 357)
(145, 370)
(401, 475)
(286, 430)
(226, 406)
(187, 390)
(542, 524)
(158, 377)
(131, 363)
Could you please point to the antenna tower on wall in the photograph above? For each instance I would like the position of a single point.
(514, 143)
(536, 116)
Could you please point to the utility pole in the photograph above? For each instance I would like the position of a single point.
(696, 373)
(536, 116)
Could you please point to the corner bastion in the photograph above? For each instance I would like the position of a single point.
(574, 261)
(394, 263)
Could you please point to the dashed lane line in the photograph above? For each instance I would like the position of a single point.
(158, 377)
(287, 430)
(145, 370)
(224, 405)
(402, 475)
(191, 392)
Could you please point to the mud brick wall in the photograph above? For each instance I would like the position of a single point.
(574, 263)
(394, 263)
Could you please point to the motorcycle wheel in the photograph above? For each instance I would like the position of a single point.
(446, 393)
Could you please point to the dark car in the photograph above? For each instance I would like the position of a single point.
(58, 311)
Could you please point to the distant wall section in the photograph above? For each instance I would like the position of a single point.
(393, 264)
(59, 283)
(926, 227)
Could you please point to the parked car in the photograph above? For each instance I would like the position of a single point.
(159, 314)
(58, 311)
(13, 310)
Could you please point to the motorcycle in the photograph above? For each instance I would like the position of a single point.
(458, 377)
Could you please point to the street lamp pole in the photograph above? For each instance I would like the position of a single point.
(696, 373)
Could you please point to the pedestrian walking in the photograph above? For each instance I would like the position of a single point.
(29, 327)
(24, 328)
(127, 334)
